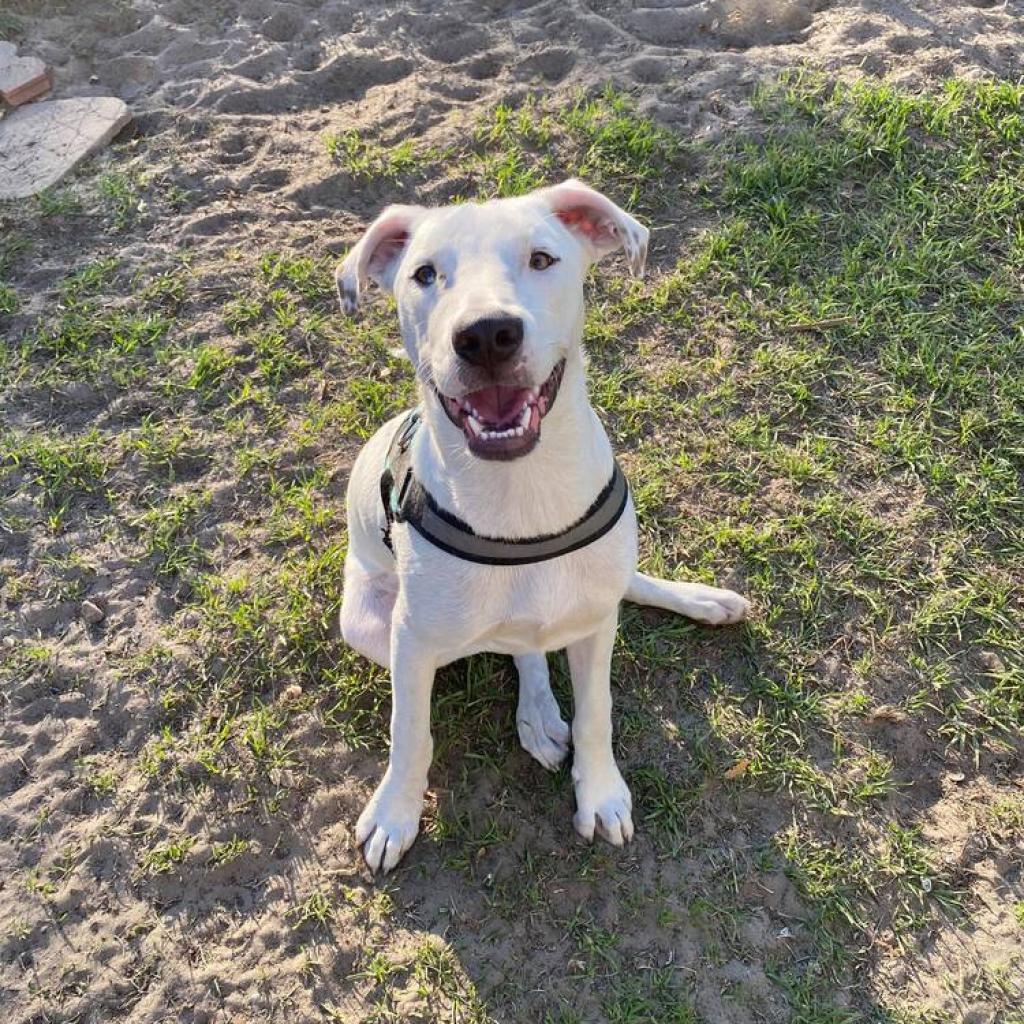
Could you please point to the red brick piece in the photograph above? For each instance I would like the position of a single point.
(23, 79)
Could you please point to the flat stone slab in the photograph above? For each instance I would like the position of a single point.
(41, 143)
(23, 79)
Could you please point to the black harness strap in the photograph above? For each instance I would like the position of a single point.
(397, 477)
(406, 500)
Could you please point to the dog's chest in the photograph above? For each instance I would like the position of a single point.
(544, 620)
(522, 609)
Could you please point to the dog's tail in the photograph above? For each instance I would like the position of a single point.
(694, 600)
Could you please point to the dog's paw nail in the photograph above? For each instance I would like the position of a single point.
(605, 807)
(387, 827)
(384, 849)
(375, 849)
(584, 825)
(616, 825)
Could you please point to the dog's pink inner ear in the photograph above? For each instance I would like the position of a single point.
(386, 250)
(587, 221)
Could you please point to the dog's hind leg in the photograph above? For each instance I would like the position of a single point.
(366, 608)
(541, 729)
(694, 600)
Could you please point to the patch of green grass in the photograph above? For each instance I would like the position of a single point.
(378, 969)
(88, 280)
(892, 883)
(122, 195)
(11, 26)
(618, 146)
(62, 467)
(93, 338)
(1004, 818)
(317, 907)
(100, 781)
(369, 402)
(276, 358)
(13, 245)
(55, 202)
(168, 529)
(156, 752)
(651, 996)
(368, 159)
(166, 290)
(212, 364)
(165, 447)
(261, 735)
(229, 850)
(300, 511)
(309, 278)
(665, 806)
(438, 978)
(165, 857)
(37, 885)
(274, 630)
(243, 310)
(519, 147)
(8, 299)
(598, 138)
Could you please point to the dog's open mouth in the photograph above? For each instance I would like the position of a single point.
(503, 422)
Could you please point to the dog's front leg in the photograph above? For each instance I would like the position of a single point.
(390, 821)
(602, 797)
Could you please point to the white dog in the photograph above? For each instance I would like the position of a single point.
(497, 520)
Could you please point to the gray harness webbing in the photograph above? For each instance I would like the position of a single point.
(406, 500)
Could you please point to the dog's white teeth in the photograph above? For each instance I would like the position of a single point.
(524, 416)
(519, 431)
(475, 425)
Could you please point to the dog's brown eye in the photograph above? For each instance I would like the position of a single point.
(541, 260)
(425, 275)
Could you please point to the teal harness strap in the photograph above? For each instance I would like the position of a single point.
(406, 500)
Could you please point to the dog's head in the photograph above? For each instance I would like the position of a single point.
(490, 299)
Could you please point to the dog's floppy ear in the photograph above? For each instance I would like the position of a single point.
(601, 225)
(375, 256)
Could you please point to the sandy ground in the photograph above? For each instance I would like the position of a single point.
(226, 95)
(246, 82)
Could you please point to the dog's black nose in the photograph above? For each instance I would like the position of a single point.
(489, 342)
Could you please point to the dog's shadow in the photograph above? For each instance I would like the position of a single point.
(727, 835)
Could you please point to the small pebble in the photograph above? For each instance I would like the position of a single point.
(92, 613)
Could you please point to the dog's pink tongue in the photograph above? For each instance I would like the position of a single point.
(498, 405)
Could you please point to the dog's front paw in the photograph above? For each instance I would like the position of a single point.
(603, 803)
(389, 824)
